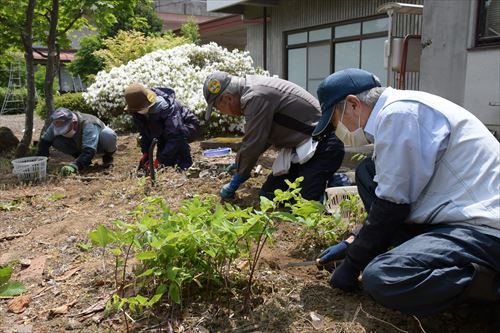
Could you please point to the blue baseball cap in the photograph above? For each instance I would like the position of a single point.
(338, 86)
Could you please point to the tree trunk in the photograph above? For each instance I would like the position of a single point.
(52, 61)
(27, 38)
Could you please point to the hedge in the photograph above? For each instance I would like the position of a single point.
(72, 101)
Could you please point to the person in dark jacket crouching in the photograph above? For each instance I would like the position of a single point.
(80, 135)
(157, 115)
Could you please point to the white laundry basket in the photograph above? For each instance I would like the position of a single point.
(335, 195)
(32, 168)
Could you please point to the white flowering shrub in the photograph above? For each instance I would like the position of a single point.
(184, 69)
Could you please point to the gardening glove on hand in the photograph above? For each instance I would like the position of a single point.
(143, 161)
(345, 276)
(228, 190)
(156, 165)
(334, 252)
(231, 168)
(68, 170)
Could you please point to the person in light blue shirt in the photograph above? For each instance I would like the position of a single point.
(431, 240)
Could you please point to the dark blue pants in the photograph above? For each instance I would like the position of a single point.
(175, 152)
(316, 172)
(434, 268)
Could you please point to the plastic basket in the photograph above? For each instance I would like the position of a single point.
(335, 195)
(33, 168)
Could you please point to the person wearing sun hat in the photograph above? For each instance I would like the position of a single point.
(157, 114)
(432, 193)
(277, 113)
(80, 135)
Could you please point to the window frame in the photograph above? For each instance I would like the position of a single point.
(331, 41)
(480, 22)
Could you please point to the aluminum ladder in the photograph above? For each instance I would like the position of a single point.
(13, 101)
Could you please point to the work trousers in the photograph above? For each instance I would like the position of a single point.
(175, 152)
(432, 267)
(316, 172)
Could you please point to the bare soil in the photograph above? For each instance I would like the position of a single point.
(40, 233)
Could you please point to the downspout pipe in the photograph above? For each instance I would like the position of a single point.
(264, 45)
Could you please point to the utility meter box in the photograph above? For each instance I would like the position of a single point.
(412, 55)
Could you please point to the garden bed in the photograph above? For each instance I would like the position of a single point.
(69, 284)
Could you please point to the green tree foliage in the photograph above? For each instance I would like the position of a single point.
(191, 31)
(9, 57)
(130, 45)
(12, 18)
(40, 73)
(86, 64)
(69, 15)
(49, 22)
(142, 17)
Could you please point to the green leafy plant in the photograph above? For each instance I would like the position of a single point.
(353, 209)
(196, 247)
(191, 31)
(320, 227)
(9, 288)
(10, 205)
(193, 247)
(85, 246)
(358, 157)
(57, 196)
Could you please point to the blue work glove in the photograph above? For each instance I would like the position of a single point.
(345, 276)
(231, 168)
(228, 190)
(333, 253)
(68, 170)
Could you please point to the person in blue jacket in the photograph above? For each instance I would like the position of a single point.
(431, 240)
(158, 115)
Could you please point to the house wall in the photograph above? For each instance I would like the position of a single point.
(443, 61)
(482, 87)
(452, 68)
(296, 14)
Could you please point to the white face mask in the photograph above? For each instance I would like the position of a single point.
(70, 134)
(356, 138)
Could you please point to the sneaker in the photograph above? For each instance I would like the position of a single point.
(107, 160)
